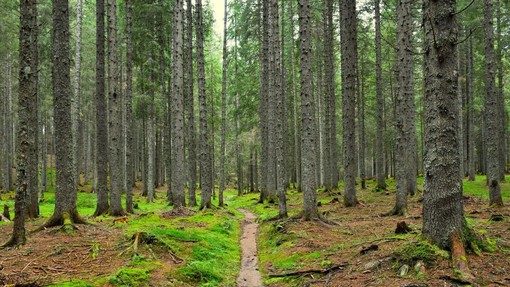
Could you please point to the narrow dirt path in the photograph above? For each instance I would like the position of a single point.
(249, 276)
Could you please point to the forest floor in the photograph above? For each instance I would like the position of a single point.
(161, 247)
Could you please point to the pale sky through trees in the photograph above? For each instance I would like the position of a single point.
(217, 6)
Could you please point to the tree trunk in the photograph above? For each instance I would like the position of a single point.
(361, 124)
(205, 151)
(492, 114)
(503, 137)
(114, 106)
(308, 145)
(279, 112)
(192, 158)
(323, 146)
(130, 121)
(349, 62)
(178, 175)
(27, 106)
(297, 147)
(3, 143)
(150, 141)
(330, 102)
(9, 184)
(65, 192)
(470, 113)
(223, 107)
(168, 125)
(442, 206)
(32, 206)
(405, 155)
(77, 91)
(264, 100)
(379, 146)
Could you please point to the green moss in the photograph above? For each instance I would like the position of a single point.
(202, 272)
(73, 283)
(419, 250)
(131, 277)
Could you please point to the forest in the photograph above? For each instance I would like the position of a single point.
(254, 143)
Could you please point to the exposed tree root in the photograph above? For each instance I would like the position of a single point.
(396, 212)
(14, 241)
(459, 259)
(65, 218)
(207, 206)
(140, 238)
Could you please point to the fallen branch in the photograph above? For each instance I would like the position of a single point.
(310, 271)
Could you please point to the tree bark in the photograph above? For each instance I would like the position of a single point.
(379, 145)
(297, 147)
(130, 121)
(503, 136)
(330, 102)
(65, 192)
(26, 108)
(492, 113)
(102, 205)
(114, 107)
(32, 205)
(77, 92)
(205, 151)
(349, 62)
(150, 139)
(361, 124)
(470, 113)
(264, 101)
(308, 144)
(279, 113)
(192, 158)
(178, 174)
(223, 107)
(405, 155)
(442, 206)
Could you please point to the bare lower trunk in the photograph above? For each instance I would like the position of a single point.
(492, 114)
(26, 108)
(192, 143)
(308, 144)
(178, 174)
(470, 113)
(65, 193)
(223, 108)
(349, 66)
(205, 156)
(101, 162)
(405, 157)
(379, 146)
(443, 216)
(114, 107)
(130, 121)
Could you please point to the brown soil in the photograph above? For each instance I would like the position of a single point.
(363, 226)
(51, 256)
(249, 276)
